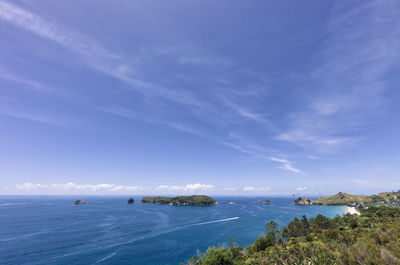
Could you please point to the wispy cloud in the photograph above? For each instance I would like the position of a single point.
(91, 52)
(125, 70)
(70, 186)
(256, 189)
(130, 114)
(14, 110)
(286, 165)
(36, 25)
(301, 188)
(29, 84)
(348, 80)
(194, 188)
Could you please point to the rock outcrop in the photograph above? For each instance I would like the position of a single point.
(77, 202)
(303, 201)
(130, 201)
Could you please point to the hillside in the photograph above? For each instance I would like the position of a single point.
(371, 238)
(391, 199)
(342, 199)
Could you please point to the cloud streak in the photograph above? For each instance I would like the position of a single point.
(191, 188)
(71, 186)
(348, 80)
(286, 165)
(252, 189)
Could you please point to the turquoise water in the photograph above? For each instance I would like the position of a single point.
(51, 230)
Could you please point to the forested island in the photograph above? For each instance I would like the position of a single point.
(371, 238)
(194, 200)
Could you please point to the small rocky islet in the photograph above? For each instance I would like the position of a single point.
(78, 202)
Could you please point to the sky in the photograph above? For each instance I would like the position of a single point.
(199, 97)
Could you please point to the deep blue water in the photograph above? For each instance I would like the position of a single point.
(51, 230)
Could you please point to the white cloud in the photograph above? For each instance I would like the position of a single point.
(187, 188)
(286, 165)
(256, 189)
(249, 188)
(301, 189)
(70, 186)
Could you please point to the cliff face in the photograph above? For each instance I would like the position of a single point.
(303, 201)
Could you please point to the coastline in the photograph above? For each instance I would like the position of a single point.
(352, 210)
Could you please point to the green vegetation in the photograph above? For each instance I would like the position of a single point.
(130, 200)
(391, 199)
(201, 200)
(371, 238)
(267, 202)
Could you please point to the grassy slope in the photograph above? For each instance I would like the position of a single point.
(343, 198)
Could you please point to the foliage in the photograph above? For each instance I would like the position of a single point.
(181, 200)
(371, 238)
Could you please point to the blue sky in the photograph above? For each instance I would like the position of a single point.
(187, 97)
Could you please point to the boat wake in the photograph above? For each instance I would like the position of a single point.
(170, 230)
(216, 221)
(107, 257)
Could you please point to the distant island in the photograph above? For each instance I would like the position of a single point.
(267, 202)
(194, 200)
(390, 199)
(77, 202)
(130, 200)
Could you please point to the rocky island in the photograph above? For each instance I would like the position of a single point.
(130, 201)
(303, 201)
(194, 200)
(267, 202)
(77, 202)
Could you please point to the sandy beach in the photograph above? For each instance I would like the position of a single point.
(351, 210)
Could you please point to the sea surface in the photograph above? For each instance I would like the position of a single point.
(106, 230)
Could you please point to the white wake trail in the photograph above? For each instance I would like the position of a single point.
(216, 221)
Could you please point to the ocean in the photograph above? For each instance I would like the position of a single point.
(106, 230)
